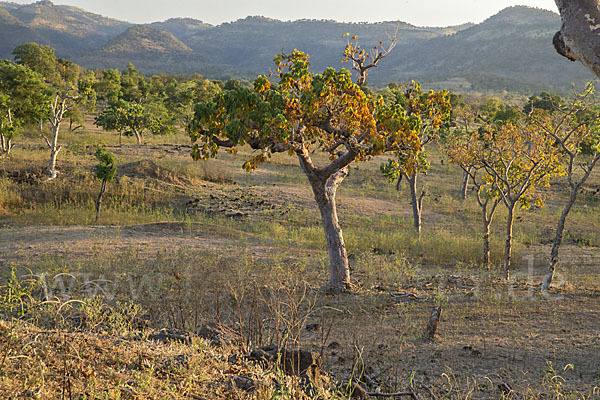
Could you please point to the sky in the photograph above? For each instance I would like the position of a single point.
(416, 12)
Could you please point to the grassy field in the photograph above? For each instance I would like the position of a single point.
(181, 243)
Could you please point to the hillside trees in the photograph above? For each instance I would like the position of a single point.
(426, 111)
(71, 88)
(23, 97)
(303, 113)
(134, 104)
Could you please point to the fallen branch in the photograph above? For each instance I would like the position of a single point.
(398, 394)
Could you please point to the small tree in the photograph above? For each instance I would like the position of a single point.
(71, 88)
(303, 113)
(576, 131)
(105, 171)
(426, 111)
(462, 150)
(508, 164)
(22, 99)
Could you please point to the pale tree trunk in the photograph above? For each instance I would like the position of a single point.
(558, 240)
(487, 216)
(465, 184)
(324, 190)
(58, 112)
(6, 144)
(54, 150)
(510, 219)
(578, 38)
(138, 136)
(416, 200)
(338, 258)
(99, 199)
(575, 187)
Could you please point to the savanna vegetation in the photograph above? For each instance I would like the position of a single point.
(131, 203)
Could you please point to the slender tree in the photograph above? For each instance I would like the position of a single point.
(462, 150)
(516, 162)
(576, 131)
(427, 111)
(105, 171)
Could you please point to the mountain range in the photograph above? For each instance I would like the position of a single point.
(511, 50)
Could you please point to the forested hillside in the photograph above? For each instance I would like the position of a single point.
(510, 51)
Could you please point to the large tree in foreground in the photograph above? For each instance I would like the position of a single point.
(303, 113)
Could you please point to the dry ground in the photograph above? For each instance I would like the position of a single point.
(231, 233)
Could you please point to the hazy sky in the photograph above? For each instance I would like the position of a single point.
(417, 12)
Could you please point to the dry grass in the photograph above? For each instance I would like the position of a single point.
(262, 274)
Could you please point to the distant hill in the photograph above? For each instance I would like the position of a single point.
(182, 28)
(153, 50)
(142, 39)
(509, 51)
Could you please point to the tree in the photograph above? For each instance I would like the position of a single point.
(426, 111)
(465, 116)
(576, 130)
(545, 101)
(22, 99)
(462, 148)
(70, 85)
(134, 104)
(303, 113)
(516, 161)
(105, 171)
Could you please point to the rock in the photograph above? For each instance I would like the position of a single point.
(334, 346)
(312, 327)
(171, 335)
(295, 362)
(219, 334)
(245, 383)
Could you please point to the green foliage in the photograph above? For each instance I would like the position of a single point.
(545, 101)
(426, 113)
(23, 98)
(107, 169)
(39, 58)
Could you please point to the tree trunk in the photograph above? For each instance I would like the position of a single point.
(138, 136)
(509, 239)
(486, 237)
(325, 191)
(465, 185)
(578, 38)
(416, 201)
(558, 239)
(54, 150)
(99, 200)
